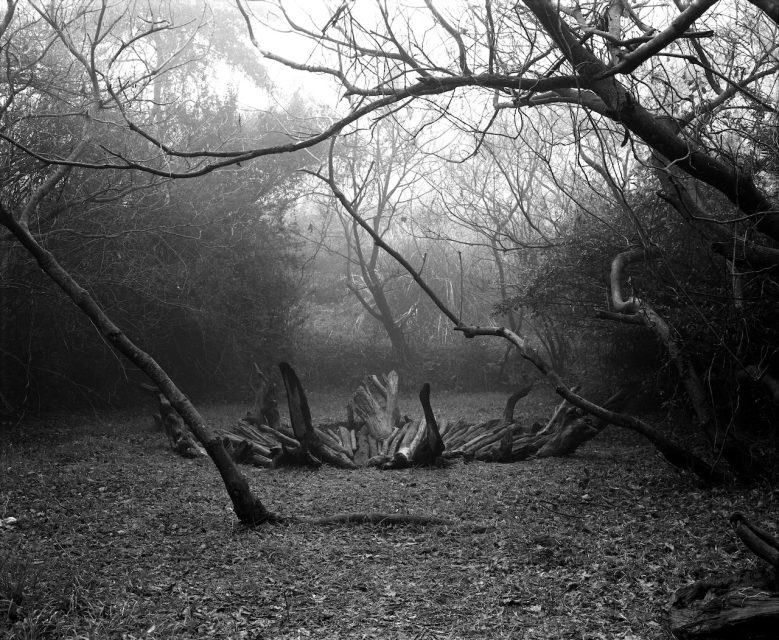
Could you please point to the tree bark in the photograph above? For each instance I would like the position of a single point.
(248, 508)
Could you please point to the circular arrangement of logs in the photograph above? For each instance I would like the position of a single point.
(376, 434)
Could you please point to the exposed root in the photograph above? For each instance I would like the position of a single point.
(358, 517)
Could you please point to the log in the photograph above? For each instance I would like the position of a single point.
(422, 443)
(560, 416)
(361, 452)
(411, 441)
(327, 438)
(488, 432)
(379, 461)
(392, 443)
(738, 614)
(578, 428)
(497, 451)
(373, 446)
(281, 437)
(346, 439)
(524, 446)
(336, 458)
(453, 434)
(246, 452)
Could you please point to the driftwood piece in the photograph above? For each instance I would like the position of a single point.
(454, 433)
(361, 451)
(435, 443)
(393, 442)
(346, 439)
(245, 452)
(511, 403)
(315, 446)
(333, 457)
(486, 434)
(246, 444)
(499, 451)
(421, 443)
(411, 441)
(326, 437)
(572, 428)
(376, 404)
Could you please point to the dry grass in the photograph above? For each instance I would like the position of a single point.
(118, 538)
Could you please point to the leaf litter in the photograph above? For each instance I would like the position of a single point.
(116, 537)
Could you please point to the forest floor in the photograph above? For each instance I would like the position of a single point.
(119, 538)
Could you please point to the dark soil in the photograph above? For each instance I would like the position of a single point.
(119, 538)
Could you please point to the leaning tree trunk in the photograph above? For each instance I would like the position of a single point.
(248, 507)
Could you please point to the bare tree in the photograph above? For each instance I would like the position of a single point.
(383, 175)
(83, 74)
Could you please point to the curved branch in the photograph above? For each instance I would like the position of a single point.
(677, 456)
(632, 304)
(455, 35)
(623, 107)
(631, 61)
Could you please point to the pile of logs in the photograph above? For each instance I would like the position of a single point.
(376, 434)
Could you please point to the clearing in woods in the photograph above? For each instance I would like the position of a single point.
(119, 538)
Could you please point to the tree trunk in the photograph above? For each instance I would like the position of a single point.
(248, 508)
